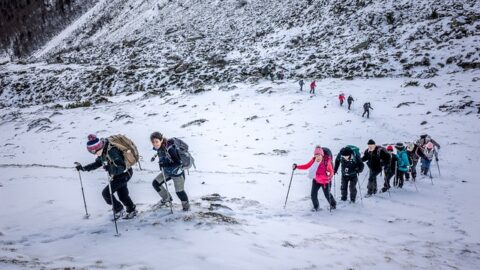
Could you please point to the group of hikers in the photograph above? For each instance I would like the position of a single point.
(117, 154)
(400, 164)
(341, 97)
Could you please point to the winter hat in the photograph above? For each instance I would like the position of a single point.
(346, 151)
(411, 146)
(371, 141)
(390, 148)
(318, 151)
(94, 144)
(399, 146)
(429, 145)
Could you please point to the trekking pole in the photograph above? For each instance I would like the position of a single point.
(83, 194)
(166, 187)
(288, 192)
(113, 208)
(438, 167)
(334, 189)
(360, 191)
(329, 197)
(431, 178)
(414, 183)
(395, 179)
(365, 177)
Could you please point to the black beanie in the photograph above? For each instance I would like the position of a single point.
(371, 141)
(346, 151)
(399, 146)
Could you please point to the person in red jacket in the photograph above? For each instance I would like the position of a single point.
(312, 87)
(341, 97)
(321, 172)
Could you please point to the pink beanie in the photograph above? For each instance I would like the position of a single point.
(318, 151)
(429, 145)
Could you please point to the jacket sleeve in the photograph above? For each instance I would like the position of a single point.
(360, 165)
(92, 166)
(329, 170)
(366, 156)
(116, 157)
(435, 143)
(385, 156)
(172, 158)
(306, 166)
(338, 159)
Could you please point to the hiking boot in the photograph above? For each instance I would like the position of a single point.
(384, 189)
(130, 215)
(343, 199)
(186, 206)
(315, 209)
(333, 207)
(164, 202)
(368, 195)
(352, 201)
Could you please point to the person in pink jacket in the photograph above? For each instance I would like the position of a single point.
(321, 172)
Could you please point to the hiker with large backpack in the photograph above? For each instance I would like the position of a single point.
(352, 165)
(366, 109)
(321, 172)
(403, 164)
(414, 154)
(173, 159)
(350, 101)
(424, 139)
(390, 169)
(116, 154)
(376, 157)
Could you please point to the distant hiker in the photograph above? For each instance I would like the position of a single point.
(280, 75)
(301, 83)
(424, 139)
(376, 157)
(403, 164)
(312, 87)
(321, 173)
(352, 165)
(366, 109)
(414, 154)
(272, 77)
(170, 163)
(429, 152)
(349, 101)
(112, 158)
(389, 169)
(341, 97)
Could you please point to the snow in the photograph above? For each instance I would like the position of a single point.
(41, 219)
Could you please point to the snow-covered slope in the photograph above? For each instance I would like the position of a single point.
(157, 45)
(244, 151)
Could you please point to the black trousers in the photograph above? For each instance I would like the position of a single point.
(352, 179)
(349, 104)
(366, 112)
(326, 191)
(119, 186)
(372, 182)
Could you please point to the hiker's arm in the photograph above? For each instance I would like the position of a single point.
(337, 163)
(306, 166)
(360, 165)
(365, 157)
(435, 143)
(92, 166)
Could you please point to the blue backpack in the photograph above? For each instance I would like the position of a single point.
(403, 162)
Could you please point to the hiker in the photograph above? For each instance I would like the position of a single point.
(414, 154)
(376, 157)
(403, 163)
(341, 97)
(280, 75)
(349, 101)
(301, 83)
(119, 170)
(389, 169)
(424, 139)
(312, 87)
(170, 163)
(321, 173)
(429, 152)
(366, 109)
(352, 165)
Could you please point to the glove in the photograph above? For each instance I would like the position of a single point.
(294, 166)
(106, 168)
(436, 159)
(153, 158)
(79, 167)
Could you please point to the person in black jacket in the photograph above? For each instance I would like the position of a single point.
(376, 157)
(389, 169)
(112, 160)
(366, 109)
(352, 165)
(172, 169)
(349, 101)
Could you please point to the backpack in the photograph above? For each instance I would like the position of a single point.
(182, 148)
(356, 151)
(127, 147)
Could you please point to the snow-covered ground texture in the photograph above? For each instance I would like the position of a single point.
(244, 142)
(122, 46)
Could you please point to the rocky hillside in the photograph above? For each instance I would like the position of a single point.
(124, 46)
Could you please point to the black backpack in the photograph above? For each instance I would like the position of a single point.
(182, 148)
